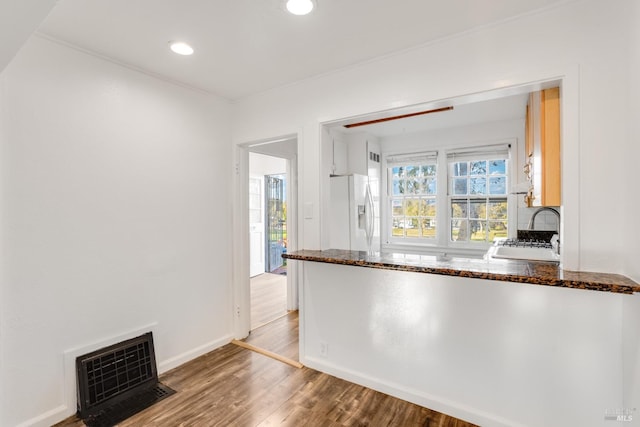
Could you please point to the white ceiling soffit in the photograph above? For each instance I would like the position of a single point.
(18, 20)
(247, 46)
(283, 148)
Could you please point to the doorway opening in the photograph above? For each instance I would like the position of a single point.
(271, 292)
(268, 238)
(266, 292)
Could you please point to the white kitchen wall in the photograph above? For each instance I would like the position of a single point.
(115, 217)
(584, 40)
(545, 220)
(466, 136)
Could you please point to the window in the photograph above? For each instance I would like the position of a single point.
(455, 197)
(478, 200)
(413, 196)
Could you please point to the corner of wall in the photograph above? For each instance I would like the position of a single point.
(174, 362)
(631, 352)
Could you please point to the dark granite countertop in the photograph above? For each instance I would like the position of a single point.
(531, 272)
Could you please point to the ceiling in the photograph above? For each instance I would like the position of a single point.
(243, 47)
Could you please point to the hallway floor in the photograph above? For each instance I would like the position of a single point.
(268, 298)
(279, 336)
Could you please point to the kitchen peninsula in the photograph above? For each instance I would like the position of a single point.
(531, 272)
(492, 342)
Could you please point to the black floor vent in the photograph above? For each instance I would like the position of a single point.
(118, 381)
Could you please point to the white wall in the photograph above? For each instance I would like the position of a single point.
(631, 205)
(631, 209)
(492, 353)
(115, 217)
(585, 40)
(631, 356)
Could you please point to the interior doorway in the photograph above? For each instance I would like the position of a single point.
(267, 238)
(270, 184)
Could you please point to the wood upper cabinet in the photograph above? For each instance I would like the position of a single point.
(542, 148)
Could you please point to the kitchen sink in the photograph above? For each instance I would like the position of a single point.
(524, 253)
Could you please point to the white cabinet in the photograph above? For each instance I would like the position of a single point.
(363, 155)
(340, 157)
(354, 154)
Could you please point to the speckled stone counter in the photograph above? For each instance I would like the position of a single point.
(534, 273)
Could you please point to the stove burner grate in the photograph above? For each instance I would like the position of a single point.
(525, 243)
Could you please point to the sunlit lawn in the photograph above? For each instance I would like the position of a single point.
(415, 232)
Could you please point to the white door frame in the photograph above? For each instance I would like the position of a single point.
(241, 247)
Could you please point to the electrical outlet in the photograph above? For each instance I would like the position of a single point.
(324, 349)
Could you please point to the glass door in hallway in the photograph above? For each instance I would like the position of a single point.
(276, 223)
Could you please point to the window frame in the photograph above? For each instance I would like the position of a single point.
(420, 160)
(443, 198)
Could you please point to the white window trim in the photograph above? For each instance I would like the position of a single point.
(443, 217)
(385, 200)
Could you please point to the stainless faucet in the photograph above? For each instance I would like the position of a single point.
(532, 221)
(555, 243)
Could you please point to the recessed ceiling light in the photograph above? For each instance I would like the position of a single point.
(181, 48)
(300, 7)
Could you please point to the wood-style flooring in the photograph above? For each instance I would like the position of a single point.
(233, 386)
(268, 298)
(279, 336)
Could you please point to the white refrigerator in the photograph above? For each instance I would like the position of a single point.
(353, 219)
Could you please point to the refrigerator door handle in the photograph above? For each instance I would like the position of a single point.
(362, 217)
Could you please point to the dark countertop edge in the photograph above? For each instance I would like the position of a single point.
(456, 272)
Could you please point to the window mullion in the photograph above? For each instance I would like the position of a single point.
(386, 216)
(443, 213)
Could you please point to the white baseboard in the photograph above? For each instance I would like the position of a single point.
(48, 418)
(173, 362)
(418, 397)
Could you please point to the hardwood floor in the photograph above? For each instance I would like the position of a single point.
(232, 386)
(268, 298)
(279, 336)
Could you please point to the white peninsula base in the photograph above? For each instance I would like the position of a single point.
(488, 352)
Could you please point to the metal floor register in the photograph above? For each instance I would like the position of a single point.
(118, 381)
